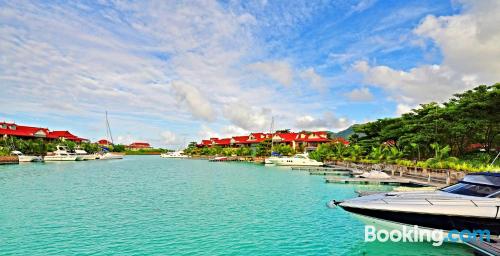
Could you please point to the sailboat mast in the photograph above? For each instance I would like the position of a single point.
(108, 129)
(271, 132)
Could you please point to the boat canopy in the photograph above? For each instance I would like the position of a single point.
(486, 178)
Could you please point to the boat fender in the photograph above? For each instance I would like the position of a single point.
(332, 203)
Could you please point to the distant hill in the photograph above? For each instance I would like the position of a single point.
(345, 133)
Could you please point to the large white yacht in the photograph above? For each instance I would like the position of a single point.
(471, 204)
(61, 154)
(296, 160)
(24, 158)
(175, 154)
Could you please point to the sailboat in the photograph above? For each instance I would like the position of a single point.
(108, 155)
(274, 155)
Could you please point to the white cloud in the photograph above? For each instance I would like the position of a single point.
(469, 45)
(360, 94)
(247, 117)
(170, 138)
(314, 79)
(125, 139)
(198, 105)
(328, 122)
(280, 71)
(206, 132)
(232, 130)
(418, 85)
(403, 109)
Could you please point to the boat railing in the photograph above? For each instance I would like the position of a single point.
(441, 202)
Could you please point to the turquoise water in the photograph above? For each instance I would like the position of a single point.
(147, 205)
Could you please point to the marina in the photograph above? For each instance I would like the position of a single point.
(238, 201)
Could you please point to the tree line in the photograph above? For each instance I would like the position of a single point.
(462, 133)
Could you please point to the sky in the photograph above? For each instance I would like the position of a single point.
(170, 72)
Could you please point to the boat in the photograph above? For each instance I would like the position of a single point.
(109, 156)
(274, 155)
(83, 155)
(296, 160)
(375, 174)
(24, 158)
(106, 155)
(471, 204)
(218, 159)
(270, 160)
(175, 154)
(61, 154)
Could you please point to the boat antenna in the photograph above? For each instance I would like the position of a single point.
(108, 129)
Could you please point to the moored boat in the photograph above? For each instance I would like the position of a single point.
(218, 159)
(25, 158)
(296, 160)
(175, 154)
(471, 204)
(61, 154)
(110, 156)
(83, 155)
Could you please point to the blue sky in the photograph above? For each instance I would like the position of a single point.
(170, 71)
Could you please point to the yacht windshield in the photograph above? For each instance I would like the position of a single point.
(468, 189)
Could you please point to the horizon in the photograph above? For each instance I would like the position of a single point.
(171, 72)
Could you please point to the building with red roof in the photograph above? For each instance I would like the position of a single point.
(139, 145)
(104, 142)
(30, 132)
(305, 140)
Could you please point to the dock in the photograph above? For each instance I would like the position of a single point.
(388, 181)
(314, 170)
(9, 160)
(491, 248)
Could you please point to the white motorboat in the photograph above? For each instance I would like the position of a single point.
(24, 158)
(83, 155)
(471, 204)
(296, 160)
(110, 156)
(175, 154)
(270, 160)
(61, 154)
(374, 174)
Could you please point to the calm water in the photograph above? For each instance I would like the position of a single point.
(152, 206)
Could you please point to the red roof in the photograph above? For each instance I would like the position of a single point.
(64, 134)
(286, 137)
(139, 145)
(104, 142)
(340, 140)
(222, 142)
(206, 142)
(240, 140)
(22, 131)
(28, 131)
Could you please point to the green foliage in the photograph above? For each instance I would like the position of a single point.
(244, 151)
(91, 148)
(120, 148)
(467, 118)
(263, 148)
(284, 149)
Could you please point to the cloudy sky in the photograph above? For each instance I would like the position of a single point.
(172, 71)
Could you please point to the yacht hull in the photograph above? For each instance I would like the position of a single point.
(436, 221)
(283, 163)
(59, 158)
